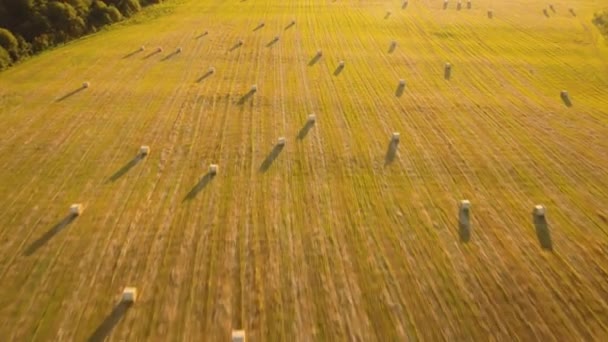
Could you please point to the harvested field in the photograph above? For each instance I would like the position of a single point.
(328, 237)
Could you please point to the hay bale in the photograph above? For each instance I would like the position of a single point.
(341, 64)
(319, 53)
(240, 42)
(564, 94)
(469, 5)
(281, 141)
(86, 84)
(213, 168)
(464, 220)
(129, 295)
(276, 38)
(160, 49)
(179, 50)
(238, 336)
(459, 5)
(144, 150)
(404, 5)
(490, 14)
(401, 83)
(312, 118)
(447, 72)
(539, 210)
(445, 4)
(254, 88)
(211, 70)
(465, 205)
(76, 209)
(142, 48)
(395, 136)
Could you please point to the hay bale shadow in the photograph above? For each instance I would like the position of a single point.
(542, 232)
(110, 322)
(56, 229)
(272, 42)
(458, 6)
(201, 35)
(566, 100)
(290, 26)
(151, 54)
(202, 78)
(572, 12)
(546, 13)
(400, 90)
(391, 152)
(305, 129)
(387, 15)
(314, 60)
(552, 8)
(169, 56)
(338, 70)
(392, 48)
(445, 5)
(447, 73)
(464, 225)
(130, 54)
(128, 166)
(274, 154)
(404, 6)
(235, 46)
(70, 94)
(259, 27)
(202, 184)
(246, 97)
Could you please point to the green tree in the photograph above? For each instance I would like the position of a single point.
(5, 59)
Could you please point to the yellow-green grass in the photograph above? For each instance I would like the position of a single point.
(333, 241)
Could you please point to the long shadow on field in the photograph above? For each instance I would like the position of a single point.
(201, 35)
(199, 186)
(566, 100)
(400, 89)
(267, 163)
(171, 55)
(292, 24)
(392, 48)
(391, 152)
(202, 78)
(130, 54)
(338, 70)
(272, 42)
(314, 60)
(246, 97)
(151, 54)
(388, 14)
(542, 232)
(128, 166)
(258, 27)
(73, 92)
(464, 226)
(235, 46)
(546, 13)
(105, 328)
(572, 12)
(305, 129)
(41, 241)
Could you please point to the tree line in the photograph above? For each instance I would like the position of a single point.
(600, 20)
(30, 26)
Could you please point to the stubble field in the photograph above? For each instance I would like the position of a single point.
(340, 234)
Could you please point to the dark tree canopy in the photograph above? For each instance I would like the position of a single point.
(30, 26)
